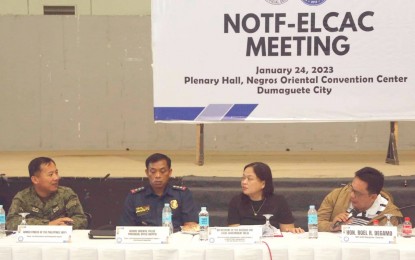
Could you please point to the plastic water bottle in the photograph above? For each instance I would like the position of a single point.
(166, 217)
(204, 224)
(407, 227)
(2, 222)
(312, 222)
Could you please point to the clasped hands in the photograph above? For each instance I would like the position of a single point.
(62, 221)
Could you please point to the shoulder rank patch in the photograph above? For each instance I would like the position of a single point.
(179, 187)
(137, 190)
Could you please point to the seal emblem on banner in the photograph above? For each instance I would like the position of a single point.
(313, 2)
(276, 2)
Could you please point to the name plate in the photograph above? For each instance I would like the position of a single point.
(44, 234)
(142, 235)
(235, 235)
(369, 234)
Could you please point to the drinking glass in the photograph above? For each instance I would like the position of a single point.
(388, 222)
(267, 230)
(24, 214)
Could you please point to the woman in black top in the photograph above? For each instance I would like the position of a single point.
(258, 198)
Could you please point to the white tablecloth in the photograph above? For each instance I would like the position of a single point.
(184, 246)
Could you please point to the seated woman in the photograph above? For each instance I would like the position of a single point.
(258, 198)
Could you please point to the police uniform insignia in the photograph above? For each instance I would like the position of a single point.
(174, 204)
(179, 187)
(142, 210)
(34, 209)
(134, 191)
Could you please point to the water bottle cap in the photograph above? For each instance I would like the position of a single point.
(166, 204)
(312, 207)
(407, 219)
(204, 208)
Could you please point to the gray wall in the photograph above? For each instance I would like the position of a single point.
(85, 82)
(82, 7)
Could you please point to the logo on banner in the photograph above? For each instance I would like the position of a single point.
(276, 2)
(313, 2)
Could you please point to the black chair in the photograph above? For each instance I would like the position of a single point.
(89, 219)
(408, 211)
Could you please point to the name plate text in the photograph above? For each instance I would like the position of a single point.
(44, 234)
(149, 235)
(369, 234)
(235, 235)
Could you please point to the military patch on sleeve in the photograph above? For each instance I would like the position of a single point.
(71, 203)
(179, 187)
(137, 190)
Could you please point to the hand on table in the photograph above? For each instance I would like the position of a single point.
(296, 230)
(62, 221)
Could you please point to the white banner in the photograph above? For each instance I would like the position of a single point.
(283, 60)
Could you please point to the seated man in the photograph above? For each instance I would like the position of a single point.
(358, 203)
(143, 206)
(46, 202)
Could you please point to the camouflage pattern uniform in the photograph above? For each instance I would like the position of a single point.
(63, 203)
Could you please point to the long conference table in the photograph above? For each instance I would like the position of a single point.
(184, 246)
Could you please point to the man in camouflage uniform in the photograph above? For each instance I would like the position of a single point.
(46, 202)
(143, 206)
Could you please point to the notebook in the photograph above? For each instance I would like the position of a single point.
(101, 234)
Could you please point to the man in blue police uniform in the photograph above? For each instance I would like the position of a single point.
(143, 206)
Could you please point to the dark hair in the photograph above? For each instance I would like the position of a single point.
(35, 164)
(372, 177)
(158, 157)
(263, 172)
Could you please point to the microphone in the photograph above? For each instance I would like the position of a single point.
(106, 176)
(352, 213)
(410, 207)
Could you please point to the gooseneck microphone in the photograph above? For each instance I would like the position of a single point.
(352, 213)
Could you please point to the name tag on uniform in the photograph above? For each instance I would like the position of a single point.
(369, 234)
(44, 234)
(144, 235)
(248, 234)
